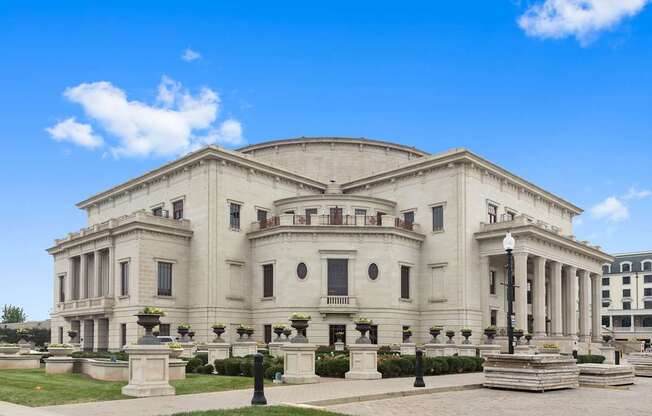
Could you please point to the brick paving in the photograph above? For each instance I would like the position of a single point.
(633, 401)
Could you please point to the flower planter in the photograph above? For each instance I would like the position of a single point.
(287, 332)
(176, 352)
(241, 331)
(606, 339)
(450, 335)
(490, 334)
(249, 333)
(528, 338)
(183, 331)
(148, 321)
(278, 331)
(363, 328)
(434, 332)
(518, 334)
(407, 335)
(9, 349)
(60, 351)
(72, 335)
(218, 331)
(466, 335)
(191, 335)
(300, 325)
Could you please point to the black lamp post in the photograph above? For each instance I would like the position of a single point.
(508, 245)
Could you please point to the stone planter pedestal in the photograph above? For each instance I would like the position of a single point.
(363, 361)
(244, 348)
(642, 362)
(609, 354)
(339, 346)
(16, 361)
(408, 348)
(177, 369)
(605, 375)
(488, 349)
(541, 372)
(466, 350)
(435, 350)
(450, 350)
(59, 365)
(149, 371)
(217, 351)
(275, 349)
(299, 363)
(188, 349)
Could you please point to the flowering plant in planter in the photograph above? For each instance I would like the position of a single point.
(152, 310)
(518, 333)
(435, 330)
(450, 334)
(297, 316)
(300, 323)
(528, 338)
(278, 330)
(243, 329)
(339, 335)
(490, 333)
(184, 326)
(466, 333)
(176, 349)
(363, 325)
(218, 329)
(287, 332)
(183, 330)
(407, 333)
(218, 325)
(149, 318)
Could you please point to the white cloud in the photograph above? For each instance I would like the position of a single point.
(177, 123)
(78, 133)
(633, 193)
(189, 55)
(582, 19)
(611, 209)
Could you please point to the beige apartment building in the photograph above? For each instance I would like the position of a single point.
(627, 297)
(334, 227)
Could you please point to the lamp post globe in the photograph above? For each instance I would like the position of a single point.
(509, 242)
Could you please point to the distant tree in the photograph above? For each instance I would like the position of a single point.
(13, 314)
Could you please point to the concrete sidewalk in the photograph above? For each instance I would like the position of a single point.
(10, 409)
(321, 394)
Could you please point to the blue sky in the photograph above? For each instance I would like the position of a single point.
(93, 94)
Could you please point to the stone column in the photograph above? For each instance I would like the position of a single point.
(484, 287)
(111, 278)
(539, 298)
(596, 304)
(96, 334)
(555, 297)
(585, 324)
(572, 301)
(82, 277)
(99, 284)
(520, 275)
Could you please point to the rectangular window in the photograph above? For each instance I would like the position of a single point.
(405, 282)
(157, 212)
(268, 280)
(309, 213)
(492, 282)
(492, 212)
(335, 216)
(627, 280)
(335, 332)
(605, 321)
(360, 211)
(647, 304)
(408, 217)
(60, 335)
(123, 335)
(647, 291)
(234, 216)
(605, 281)
(625, 321)
(373, 334)
(627, 306)
(177, 209)
(164, 330)
(338, 277)
(164, 279)
(627, 293)
(605, 304)
(62, 288)
(267, 332)
(124, 278)
(379, 218)
(605, 294)
(647, 278)
(261, 215)
(494, 317)
(438, 218)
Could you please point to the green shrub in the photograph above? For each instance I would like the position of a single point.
(247, 366)
(270, 372)
(332, 366)
(390, 367)
(219, 366)
(232, 367)
(120, 356)
(385, 349)
(193, 364)
(590, 359)
(203, 356)
(207, 369)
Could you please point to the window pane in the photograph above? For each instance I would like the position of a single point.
(234, 216)
(626, 280)
(338, 277)
(164, 329)
(359, 211)
(124, 278)
(405, 282)
(177, 210)
(268, 280)
(492, 282)
(647, 278)
(261, 215)
(164, 279)
(408, 217)
(309, 212)
(605, 281)
(627, 306)
(267, 329)
(438, 218)
(626, 293)
(605, 293)
(492, 211)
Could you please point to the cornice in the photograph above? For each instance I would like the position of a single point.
(450, 159)
(201, 156)
(343, 197)
(353, 232)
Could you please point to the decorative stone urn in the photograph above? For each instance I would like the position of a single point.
(339, 341)
(244, 346)
(73, 336)
(466, 333)
(148, 321)
(9, 349)
(363, 325)
(287, 332)
(175, 352)
(518, 334)
(250, 332)
(606, 339)
(490, 333)
(434, 332)
(241, 331)
(450, 334)
(299, 355)
(528, 338)
(191, 335)
(183, 331)
(407, 334)
(407, 346)
(278, 330)
(218, 330)
(300, 323)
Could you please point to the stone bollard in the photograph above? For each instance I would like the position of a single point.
(418, 370)
(259, 385)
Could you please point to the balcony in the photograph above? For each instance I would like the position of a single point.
(385, 221)
(338, 304)
(90, 306)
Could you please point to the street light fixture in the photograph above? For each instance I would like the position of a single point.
(508, 245)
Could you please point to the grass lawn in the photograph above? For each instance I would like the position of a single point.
(35, 388)
(262, 410)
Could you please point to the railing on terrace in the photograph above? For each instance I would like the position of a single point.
(337, 300)
(330, 220)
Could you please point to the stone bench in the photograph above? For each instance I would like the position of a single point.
(605, 375)
(541, 372)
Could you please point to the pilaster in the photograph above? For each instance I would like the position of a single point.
(520, 274)
(539, 298)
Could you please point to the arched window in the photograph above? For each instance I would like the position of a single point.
(606, 269)
(625, 267)
(646, 265)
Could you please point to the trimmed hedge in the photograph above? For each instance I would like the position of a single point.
(590, 359)
(243, 366)
(120, 356)
(193, 364)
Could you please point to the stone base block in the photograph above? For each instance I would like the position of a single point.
(541, 372)
(408, 348)
(188, 349)
(609, 354)
(450, 350)
(299, 363)
(435, 350)
(363, 361)
(217, 351)
(275, 349)
(525, 349)
(642, 362)
(244, 348)
(16, 361)
(605, 375)
(59, 365)
(339, 346)
(177, 369)
(149, 371)
(489, 349)
(466, 350)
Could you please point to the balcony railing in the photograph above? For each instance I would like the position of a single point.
(334, 220)
(337, 300)
(88, 305)
(338, 304)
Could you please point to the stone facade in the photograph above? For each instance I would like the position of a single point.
(336, 228)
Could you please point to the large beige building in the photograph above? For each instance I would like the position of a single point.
(333, 227)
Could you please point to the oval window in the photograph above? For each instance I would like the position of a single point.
(373, 271)
(302, 271)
